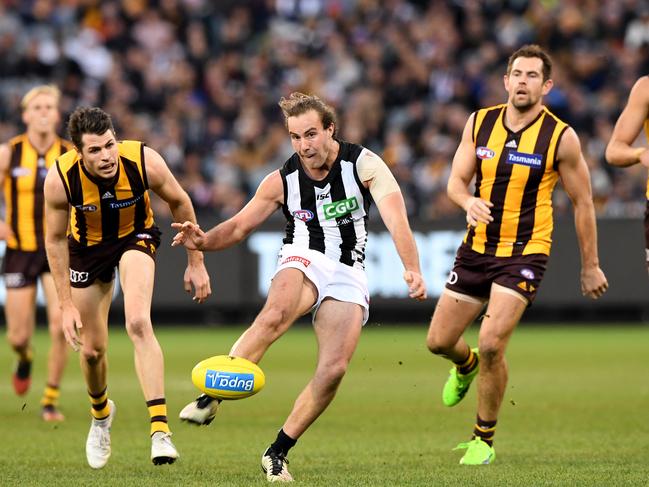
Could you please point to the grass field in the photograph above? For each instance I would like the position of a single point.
(576, 413)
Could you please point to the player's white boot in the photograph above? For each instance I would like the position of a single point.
(162, 449)
(98, 442)
(274, 465)
(200, 411)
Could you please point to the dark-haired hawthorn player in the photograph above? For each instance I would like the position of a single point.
(99, 192)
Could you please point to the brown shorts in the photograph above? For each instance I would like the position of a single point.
(87, 264)
(474, 273)
(22, 269)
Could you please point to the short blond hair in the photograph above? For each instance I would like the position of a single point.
(40, 90)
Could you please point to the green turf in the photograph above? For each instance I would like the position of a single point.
(575, 413)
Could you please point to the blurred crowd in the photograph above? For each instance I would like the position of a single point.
(199, 80)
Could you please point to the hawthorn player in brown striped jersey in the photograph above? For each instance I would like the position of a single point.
(621, 150)
(24, 162)
(98, 219)
(516, 152)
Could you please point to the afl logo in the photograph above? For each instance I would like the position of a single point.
(484, 153)
(304, 215)
(527, 273)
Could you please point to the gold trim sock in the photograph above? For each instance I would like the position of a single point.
(51, 395)
(467, 365)
(158, 412)
(99, 402)
(485, 430)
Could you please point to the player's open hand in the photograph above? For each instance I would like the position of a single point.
(196, 276)
(478, 211)
(593, 282)
(189, 234)
(71, 324)
(416, 285)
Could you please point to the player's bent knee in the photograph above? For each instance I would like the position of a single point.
(139, 327)
(18, 341)
(438, 347)
(92, 355)
(332, 374)
(491, 352)
(273, 320)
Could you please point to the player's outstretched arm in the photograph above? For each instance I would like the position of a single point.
(393, 213)
(462, 173)
(58, 256)
(165, 185)
(376, 176)
(267, 199)
(619, 151)
(575, 178)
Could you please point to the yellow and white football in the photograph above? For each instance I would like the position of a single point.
(226, 377)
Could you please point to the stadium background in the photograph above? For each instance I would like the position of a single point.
(199, 82)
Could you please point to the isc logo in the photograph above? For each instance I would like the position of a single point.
(227, 381)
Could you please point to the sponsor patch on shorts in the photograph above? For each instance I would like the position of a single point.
(297, 258)
(14, 279)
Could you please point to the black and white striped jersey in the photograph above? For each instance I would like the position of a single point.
(331, 215)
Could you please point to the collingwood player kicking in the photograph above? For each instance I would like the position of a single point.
(324, 190)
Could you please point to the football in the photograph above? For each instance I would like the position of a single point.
(226, 377)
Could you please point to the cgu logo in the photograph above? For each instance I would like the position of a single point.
(303, 215)
(226, 381)
(484, 153)
(340, 208)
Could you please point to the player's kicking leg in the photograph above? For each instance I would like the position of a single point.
(291, 295)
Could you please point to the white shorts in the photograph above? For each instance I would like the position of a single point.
(331, 279)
